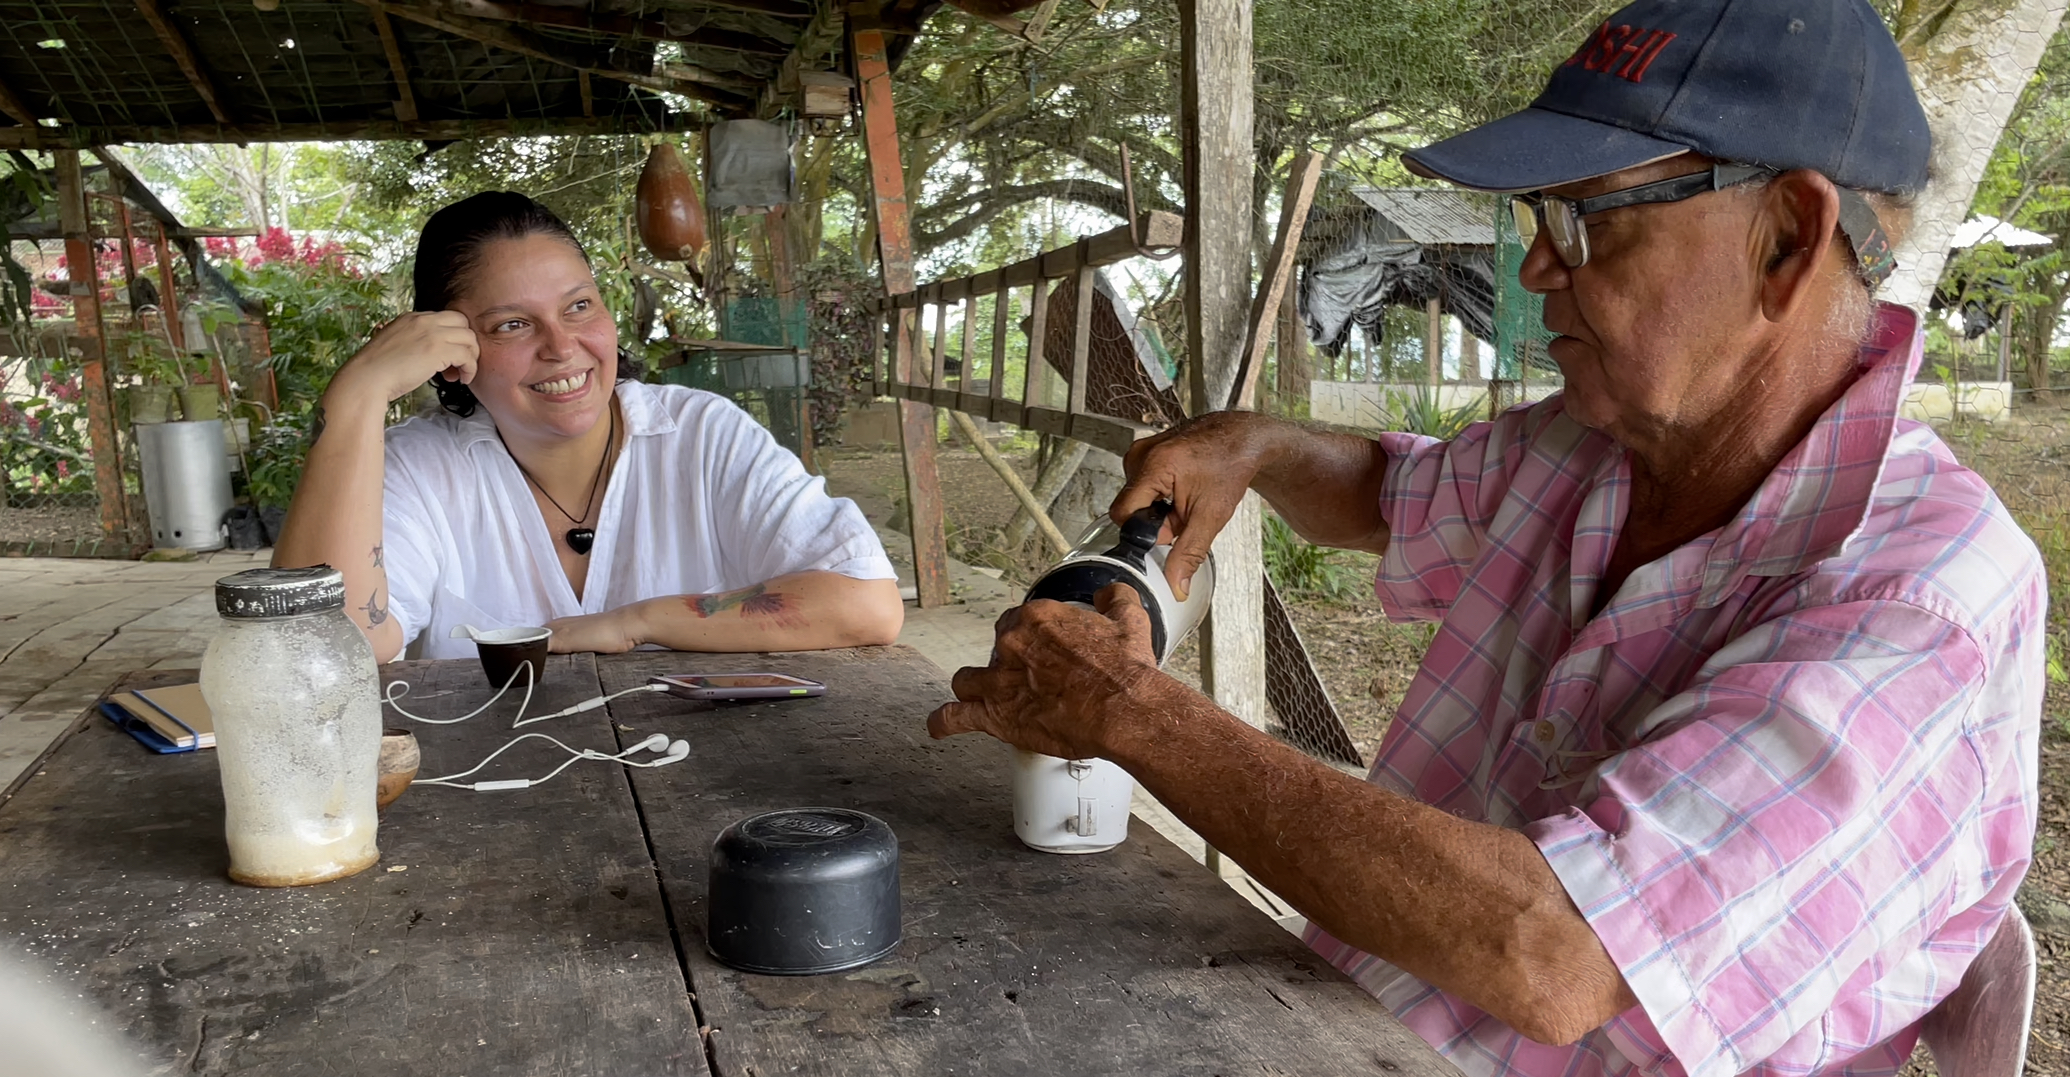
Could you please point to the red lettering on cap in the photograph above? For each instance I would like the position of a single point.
(1637, 72)
(1596, 42)
(1624, 51)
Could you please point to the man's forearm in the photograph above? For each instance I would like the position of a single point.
(1326, 486)
(1468, 907)
(336, 516)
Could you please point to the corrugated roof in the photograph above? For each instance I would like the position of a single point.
(1435, 214)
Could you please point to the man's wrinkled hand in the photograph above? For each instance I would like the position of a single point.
(1203, 466)
(1058, 677)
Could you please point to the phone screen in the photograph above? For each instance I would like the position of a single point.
(757, 680)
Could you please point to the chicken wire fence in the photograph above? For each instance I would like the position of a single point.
(53, 501)
(48, 500)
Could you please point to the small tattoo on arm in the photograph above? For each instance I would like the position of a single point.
(316, 425)
(756, 601)
(375, 613)
(378, 560)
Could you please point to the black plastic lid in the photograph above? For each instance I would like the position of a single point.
(280, 592)
(803, 891)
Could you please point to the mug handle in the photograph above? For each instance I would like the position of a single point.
(1087, 824)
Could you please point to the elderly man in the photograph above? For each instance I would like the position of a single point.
(1723, 757)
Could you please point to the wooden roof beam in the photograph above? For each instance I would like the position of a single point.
(15, 108)
(420, 131)
(603, 22)
(819, 41)
(183, 54)
(688, 81)
(406, 98)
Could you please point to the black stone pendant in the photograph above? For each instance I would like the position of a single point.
(580, 539)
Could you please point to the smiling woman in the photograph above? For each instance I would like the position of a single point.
(557, 489)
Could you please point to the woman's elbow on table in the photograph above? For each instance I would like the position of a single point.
(876, 616)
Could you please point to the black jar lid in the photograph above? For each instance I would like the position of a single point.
(280, 592)
(803, 891)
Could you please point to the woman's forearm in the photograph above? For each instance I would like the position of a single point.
(804, 611)
(336, 516)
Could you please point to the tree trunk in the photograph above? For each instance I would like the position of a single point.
(2037, 330)
(1050, 480)
(1970, 60)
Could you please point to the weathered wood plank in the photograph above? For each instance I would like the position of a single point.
(1159, 229)
(502, 933)
(1279, 274)
(893, 216)
(1014, 962)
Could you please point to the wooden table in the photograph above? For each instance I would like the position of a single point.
(560, 929)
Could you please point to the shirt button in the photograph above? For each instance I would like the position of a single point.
(1545, 731)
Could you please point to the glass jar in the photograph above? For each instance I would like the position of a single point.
(293, 691)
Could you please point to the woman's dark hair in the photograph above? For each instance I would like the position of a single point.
(450, 249)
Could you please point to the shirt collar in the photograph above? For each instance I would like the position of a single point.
(636, 401)
(1817, 499)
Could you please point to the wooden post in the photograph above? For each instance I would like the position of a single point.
(1279, 269)
(1434, 340)
(781, 276)
(2005, 325)
(1215, 115)
(84, 282)
(1295, 371)
(895, 248)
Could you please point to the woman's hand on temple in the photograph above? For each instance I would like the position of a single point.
(406, 353)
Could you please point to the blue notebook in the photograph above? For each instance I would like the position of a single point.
(153, 717)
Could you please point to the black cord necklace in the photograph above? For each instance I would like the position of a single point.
(580, 538)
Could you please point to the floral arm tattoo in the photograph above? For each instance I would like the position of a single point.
(756, 601)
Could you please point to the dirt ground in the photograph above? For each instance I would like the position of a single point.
(50, 523)
(1367, 662)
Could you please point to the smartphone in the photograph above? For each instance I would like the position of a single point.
(740, 686)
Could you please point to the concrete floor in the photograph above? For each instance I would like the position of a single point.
(69, 628)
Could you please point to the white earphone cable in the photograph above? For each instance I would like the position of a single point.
(398, 689)
(585, 705)
(674, 754)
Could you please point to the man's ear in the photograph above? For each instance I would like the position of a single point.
(1800, 212)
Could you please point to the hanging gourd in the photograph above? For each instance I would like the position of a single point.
(670, 215)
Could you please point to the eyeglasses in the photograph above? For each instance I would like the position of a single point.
(1562, 218)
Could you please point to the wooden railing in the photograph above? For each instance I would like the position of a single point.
(900, 336)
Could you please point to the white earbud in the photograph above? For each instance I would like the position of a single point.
(677, 751)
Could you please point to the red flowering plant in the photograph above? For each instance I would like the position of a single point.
(321, 305)
(43, 437)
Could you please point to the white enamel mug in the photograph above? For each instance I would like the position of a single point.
(1070, 805)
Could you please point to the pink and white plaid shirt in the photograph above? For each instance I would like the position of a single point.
(1788, 774)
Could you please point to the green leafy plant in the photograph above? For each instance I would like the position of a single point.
(1420, 412)
(276, 458)
(1299, 567)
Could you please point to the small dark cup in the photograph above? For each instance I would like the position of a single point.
(506, 649)
(803, 891)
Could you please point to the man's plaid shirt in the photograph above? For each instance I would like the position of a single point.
(1788, 773)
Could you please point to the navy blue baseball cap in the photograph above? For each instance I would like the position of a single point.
(1788, 84)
